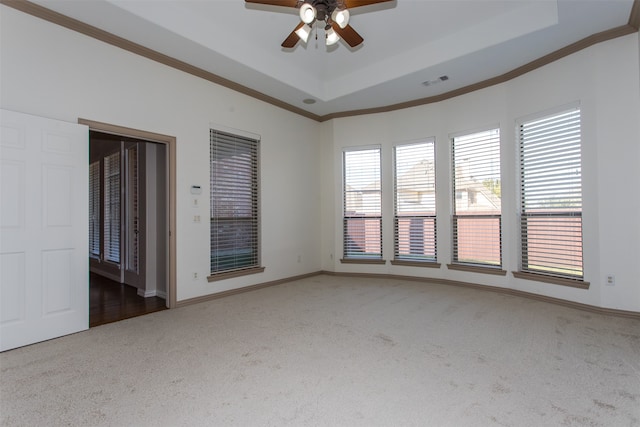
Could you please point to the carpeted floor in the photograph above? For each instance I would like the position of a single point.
(333, 351)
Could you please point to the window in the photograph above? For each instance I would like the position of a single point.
(94, 209)
(111, 199)
(415, 202)
(477, 199)
(112, 208)
(234, 203)
(362, 220)
(132, 208)
(551, 195)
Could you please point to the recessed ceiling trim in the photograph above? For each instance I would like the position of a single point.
(613, 33)
(482, 35)
(109, 38)
(172, 15)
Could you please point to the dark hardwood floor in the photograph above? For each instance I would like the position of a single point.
(110, 301)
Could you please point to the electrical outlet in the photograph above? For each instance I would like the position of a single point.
(299, 258)
(611, 280)
(195, 275)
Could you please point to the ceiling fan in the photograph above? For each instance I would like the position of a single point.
(333, 13)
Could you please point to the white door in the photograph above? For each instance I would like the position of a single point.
(44, 274)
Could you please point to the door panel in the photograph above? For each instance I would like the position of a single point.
(57, 282)
(44, 224)
(13, 306)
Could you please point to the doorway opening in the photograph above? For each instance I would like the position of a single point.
(131, 214)
(110, 301)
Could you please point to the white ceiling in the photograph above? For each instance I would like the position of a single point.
(406, 42)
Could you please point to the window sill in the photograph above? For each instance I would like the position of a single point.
(362, 261)
(477, 269)
(235, 273)
(427, 264)
(580, 284)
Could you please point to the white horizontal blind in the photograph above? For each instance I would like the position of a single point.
(415, 202)
(132, 214)
(112, 204)
(362, 221)
(94, 209)
(477, 199)
(234, 202)
(551, 195)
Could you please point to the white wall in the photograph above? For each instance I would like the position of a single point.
(605, 80)
(53, 72)
(49, 71)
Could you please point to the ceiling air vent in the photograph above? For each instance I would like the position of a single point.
(434, 81)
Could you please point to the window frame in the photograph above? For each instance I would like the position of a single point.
(366, 257)
(112, 178)
(546, 274)
(95, 209)
(253, 143)
(482, 266)
(418, 260)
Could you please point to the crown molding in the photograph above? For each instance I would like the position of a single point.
(634, 16)
(591, 40)
(104, 36)
(109, 38)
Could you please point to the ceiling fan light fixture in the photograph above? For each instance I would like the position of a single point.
(307, 13)
(303, 32)
(332, 37)
(341, 17)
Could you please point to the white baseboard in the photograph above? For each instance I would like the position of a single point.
(147, 294)
(161, 294)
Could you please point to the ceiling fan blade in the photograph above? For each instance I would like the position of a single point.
(348, 34)
(285, 3)
(293, 38)
(357, 3)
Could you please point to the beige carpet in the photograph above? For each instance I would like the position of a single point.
(331, 351)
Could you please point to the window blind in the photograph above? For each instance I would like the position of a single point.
(362, 220)
(551, 195)
(234, 202)
(132, 210)
(112, 208)
(94, 209)
(477, 205)
(415, 202)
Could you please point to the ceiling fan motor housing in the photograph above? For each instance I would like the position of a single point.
(324, 8)
(334, 13)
